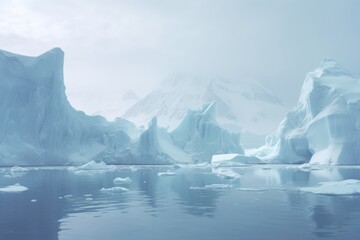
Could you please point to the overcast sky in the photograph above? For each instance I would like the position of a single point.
(112, 46)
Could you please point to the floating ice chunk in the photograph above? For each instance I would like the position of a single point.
(114, 189)
(119, 180)
(33, 200)
(226, 173)
(68, 196)
(344, 187)
(233, 160)
(213, 186)
(167, 173)
(252, 189)
(133, 169)
(217, 158)
(18, 169)
(14, 188)
(92, 167)
(87, 195)
(89, 199)
(308, 167)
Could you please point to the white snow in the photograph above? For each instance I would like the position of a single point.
(119, 180)
(14, 188)
(324, 127)
(344, 187)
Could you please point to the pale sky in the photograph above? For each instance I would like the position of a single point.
(111, 46)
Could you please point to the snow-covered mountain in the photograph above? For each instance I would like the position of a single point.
(324, 128)
(240, 105)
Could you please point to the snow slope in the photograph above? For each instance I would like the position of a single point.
(38, 126)
(324, 128)
(240, 105)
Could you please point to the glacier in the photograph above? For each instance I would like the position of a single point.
(39, 126)
(324, 126)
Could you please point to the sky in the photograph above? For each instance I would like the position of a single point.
(113, 46)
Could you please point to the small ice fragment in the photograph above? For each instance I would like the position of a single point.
(168, 173)
(213, 186)
(120, 180)
(114, 189)
(14, 188)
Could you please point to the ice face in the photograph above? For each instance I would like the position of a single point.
(200, 135)
(38, 126)
(195, 140)
(324, 127)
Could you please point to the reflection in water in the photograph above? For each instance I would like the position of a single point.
(162, 207)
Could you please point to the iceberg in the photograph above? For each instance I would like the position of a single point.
(197, 138)
(38, 126)
(324, 127)
(201, 136)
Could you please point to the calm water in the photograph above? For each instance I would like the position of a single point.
(263, 203)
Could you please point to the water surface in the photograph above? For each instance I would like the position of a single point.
(247, 202)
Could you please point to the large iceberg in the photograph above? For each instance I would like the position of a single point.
(324, 128)
(38, 126)
(201, 136)
(197, 138)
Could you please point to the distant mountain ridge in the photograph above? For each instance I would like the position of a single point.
(240, 105)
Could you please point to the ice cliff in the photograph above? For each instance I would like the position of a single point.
(38, 126)
(324, 128)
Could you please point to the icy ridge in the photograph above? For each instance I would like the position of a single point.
(324, 127)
